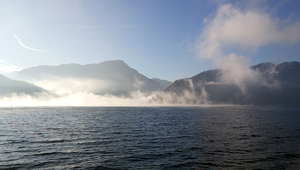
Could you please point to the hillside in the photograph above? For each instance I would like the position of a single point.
(109, 77)
(9, 87)
(279, 84)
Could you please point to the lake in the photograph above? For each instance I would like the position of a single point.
(217, 137)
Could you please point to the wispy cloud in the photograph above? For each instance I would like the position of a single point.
(251, 29)
(25, 45)
(6, 62)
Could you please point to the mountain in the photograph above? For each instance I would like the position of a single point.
(11, 75)
(277, 84)
(163, 83)
(9, 87)
(109, 77)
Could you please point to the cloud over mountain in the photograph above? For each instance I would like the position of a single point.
(278, 84)
(245, 29)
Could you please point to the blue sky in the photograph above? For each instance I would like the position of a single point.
(167, 39)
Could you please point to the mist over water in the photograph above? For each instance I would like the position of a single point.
(136, 98)
(233, 137)
(91, 92)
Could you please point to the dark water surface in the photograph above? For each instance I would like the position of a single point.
(235, 137)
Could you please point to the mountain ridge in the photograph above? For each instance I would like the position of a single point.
(274, 84)
(113, 76)
(282, 86)
(9, 87)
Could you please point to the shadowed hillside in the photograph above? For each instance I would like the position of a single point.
(109, 77)
(9, 87)
(278, 84)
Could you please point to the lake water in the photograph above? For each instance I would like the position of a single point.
(232, 137)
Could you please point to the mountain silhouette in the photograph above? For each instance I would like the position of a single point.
(109, 77)
(281, 86)
(9, 87)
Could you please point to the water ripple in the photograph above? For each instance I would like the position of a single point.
(240, 137)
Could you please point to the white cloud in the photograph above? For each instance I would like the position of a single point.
(25, 45)
(246, 29)
(232, 27)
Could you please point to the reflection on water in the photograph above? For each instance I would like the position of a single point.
(235, 137)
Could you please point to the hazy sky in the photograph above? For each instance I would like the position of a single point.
(167, 39)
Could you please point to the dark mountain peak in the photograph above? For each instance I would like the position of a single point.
(208, 76)
(290, 65)
(263, 66)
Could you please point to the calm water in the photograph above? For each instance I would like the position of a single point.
(237, 137)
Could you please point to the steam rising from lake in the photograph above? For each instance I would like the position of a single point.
(136, 98)
(84, 91)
